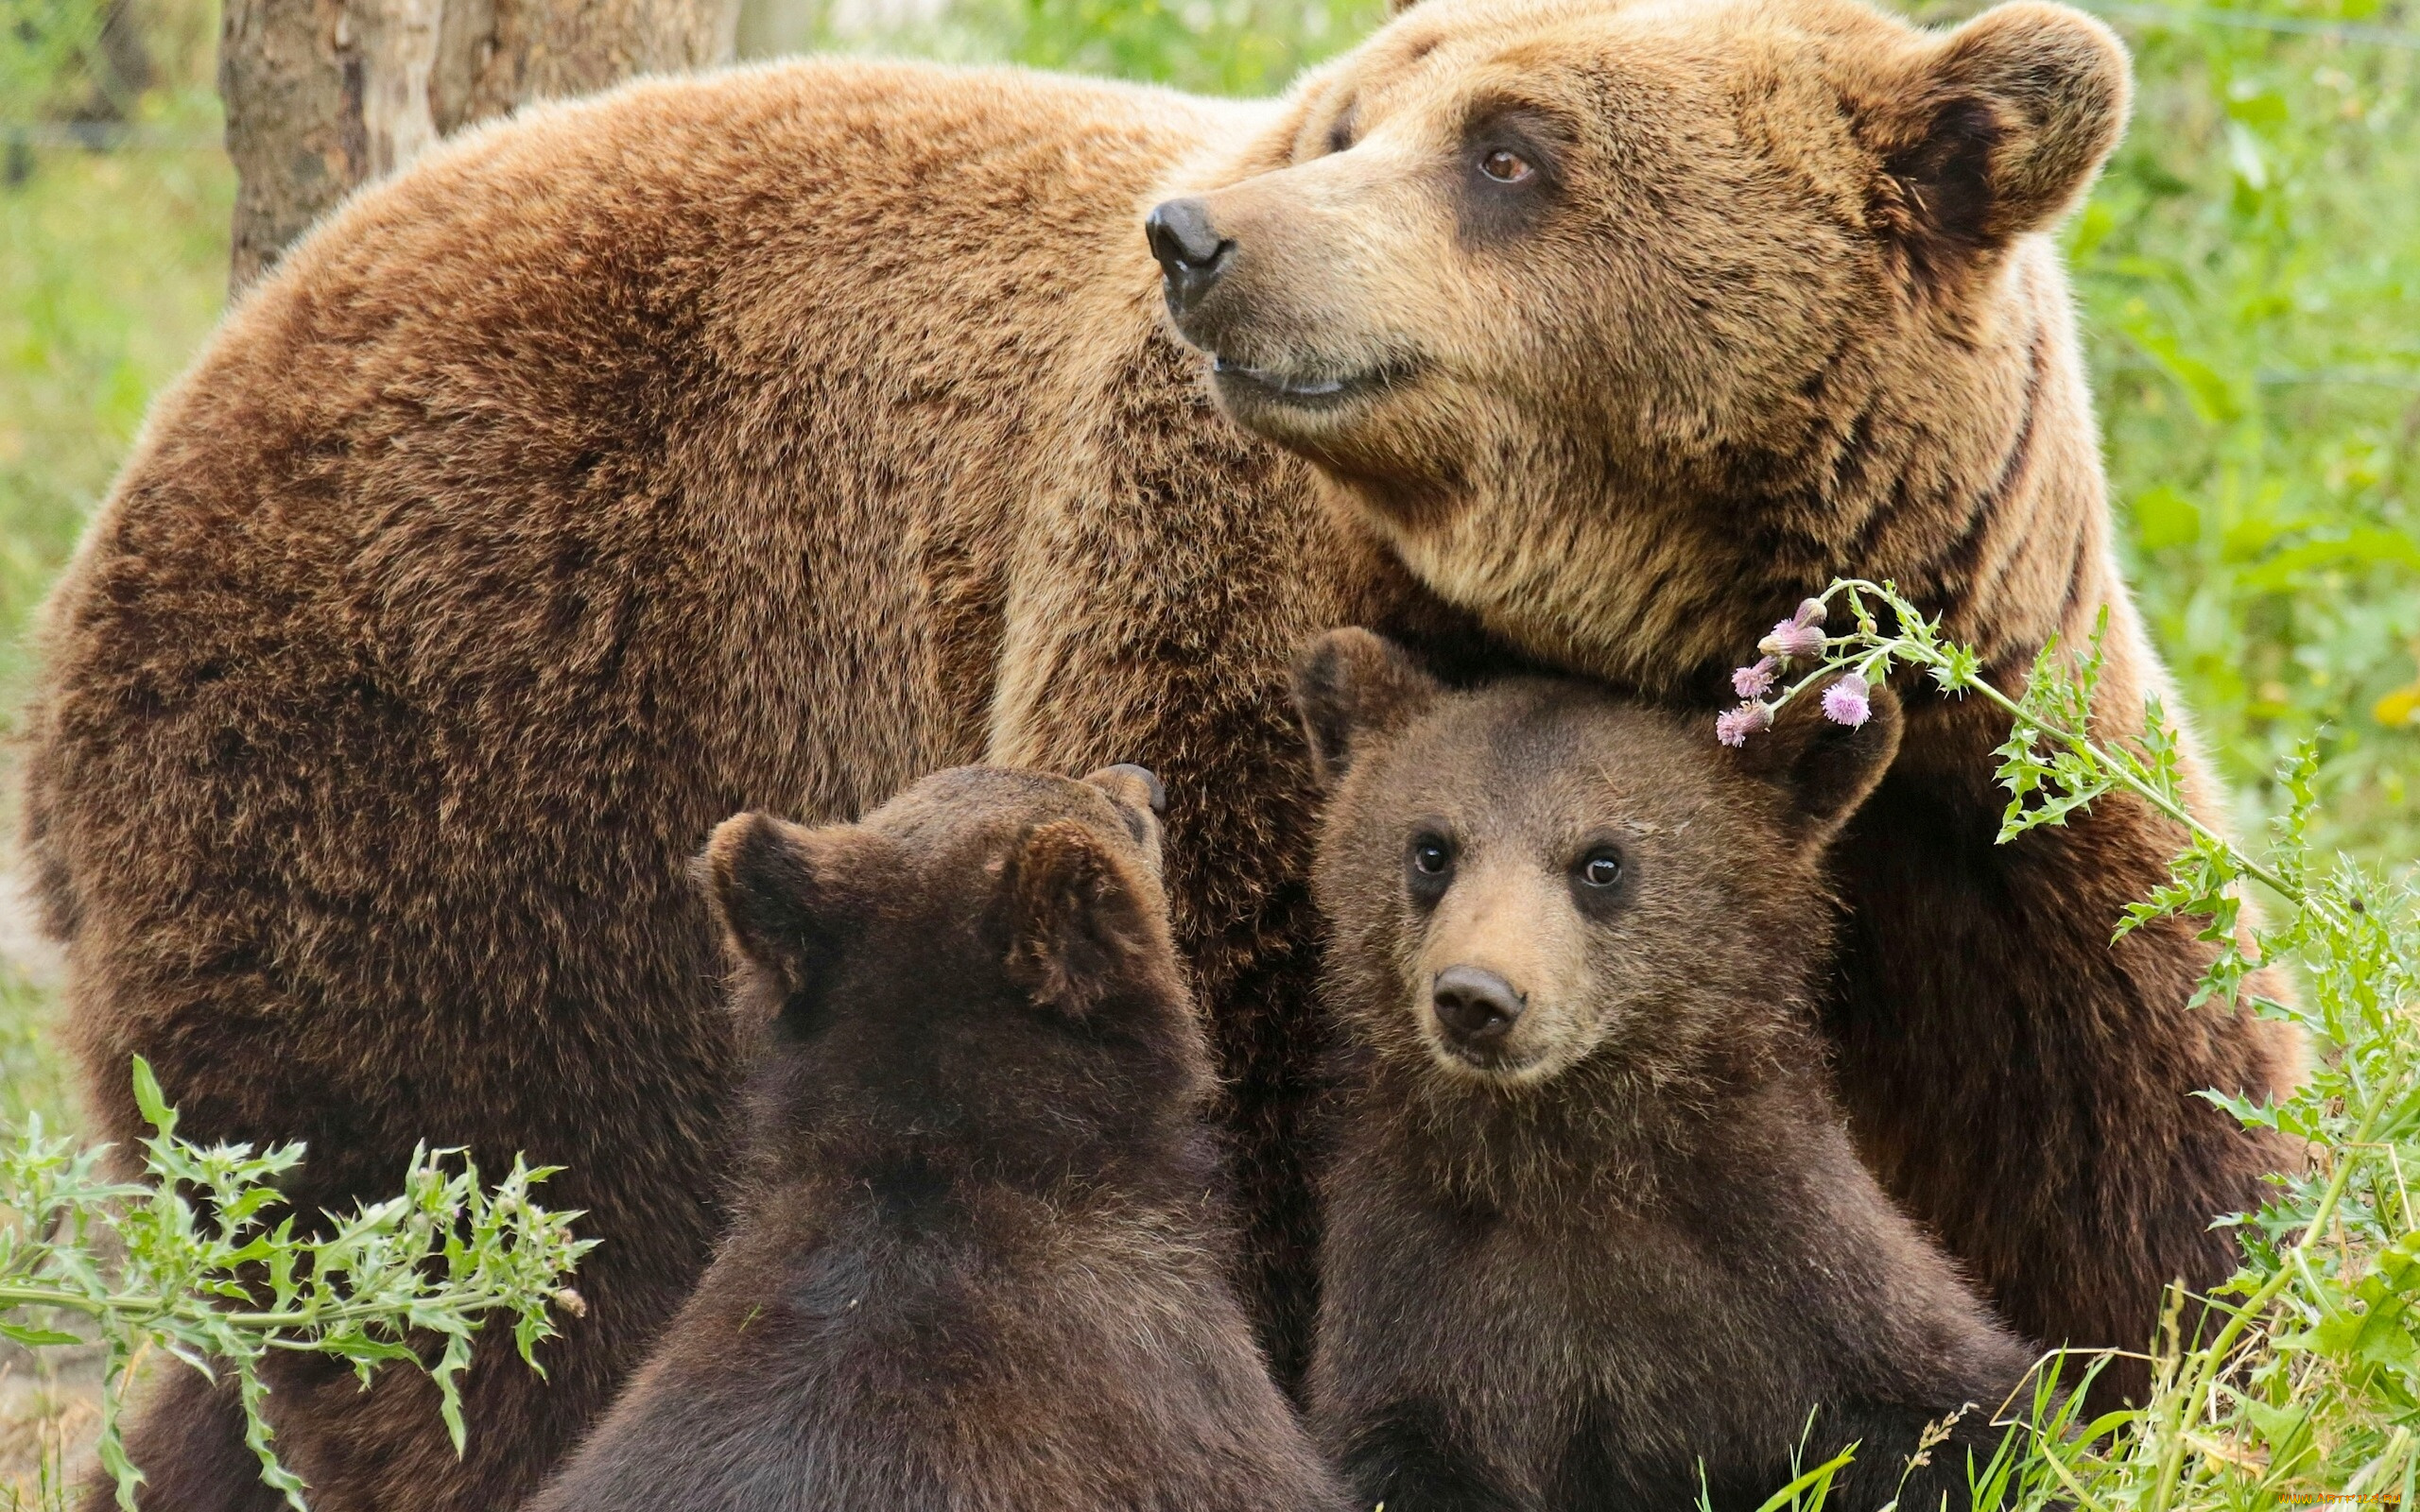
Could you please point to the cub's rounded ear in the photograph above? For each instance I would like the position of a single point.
(780, 893)
(1137, 787)
(1826, 770)
(1080, 923)
(2001, 129)
(1352, 687)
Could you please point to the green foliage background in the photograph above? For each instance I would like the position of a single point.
(2250, 278)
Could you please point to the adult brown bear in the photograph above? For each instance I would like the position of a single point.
(769, 440)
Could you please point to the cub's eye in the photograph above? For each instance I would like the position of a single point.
(1431, 856)
(1602, 869)
(1506, 167)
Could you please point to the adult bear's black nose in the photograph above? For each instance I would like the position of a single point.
(1191, 254)
(1475, 1005)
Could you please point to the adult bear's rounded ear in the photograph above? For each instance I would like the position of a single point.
(1826, 770)
(1352, 687)
(781, 893)
(1080, 923)
(1999, 128)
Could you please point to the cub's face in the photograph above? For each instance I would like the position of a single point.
(1533, 875)
(1536, 280)
(986, 956)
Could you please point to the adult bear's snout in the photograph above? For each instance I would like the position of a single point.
(1192, 253)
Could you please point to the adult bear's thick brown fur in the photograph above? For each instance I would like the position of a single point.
(1596, 1234)
(976, 1262)
(766, 440)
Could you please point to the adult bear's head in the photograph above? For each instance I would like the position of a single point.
(1711, 301)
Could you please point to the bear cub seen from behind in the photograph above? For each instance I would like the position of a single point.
(974, 1265)
(1593, 1220)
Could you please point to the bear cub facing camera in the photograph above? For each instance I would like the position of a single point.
(974, 1264)
(1593, 1220)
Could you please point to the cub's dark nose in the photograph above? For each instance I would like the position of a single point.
(1475, 1005)
(1191, 254)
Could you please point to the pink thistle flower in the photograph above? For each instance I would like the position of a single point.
(1844, 702)
(1791, 641)
(1736, 727)
(1810, 611)
(1754, 683)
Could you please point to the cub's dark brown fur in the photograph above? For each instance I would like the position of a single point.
(1595, 1221)
(974, 1266)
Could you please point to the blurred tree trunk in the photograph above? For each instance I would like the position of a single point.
(323, 95)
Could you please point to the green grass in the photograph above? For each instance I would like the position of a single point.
(112, 270)
(1211, 46)
(112, 267)
(2249, 281)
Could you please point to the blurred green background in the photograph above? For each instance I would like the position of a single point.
(2249, 272)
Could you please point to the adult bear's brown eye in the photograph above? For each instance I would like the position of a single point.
(1431, 856)
(1505, 167)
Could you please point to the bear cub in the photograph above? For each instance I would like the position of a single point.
(1593, 1219)
(975, 1265)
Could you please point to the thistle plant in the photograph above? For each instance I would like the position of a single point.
(207, 1266)
(2300, 1381)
